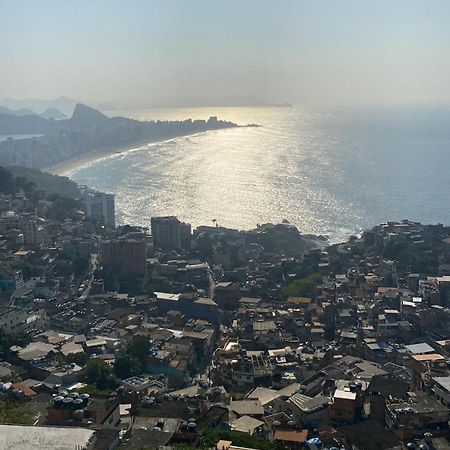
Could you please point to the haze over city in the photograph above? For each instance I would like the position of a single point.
(140, 54)
(225, 224)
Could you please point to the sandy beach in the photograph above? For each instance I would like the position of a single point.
(64, 168)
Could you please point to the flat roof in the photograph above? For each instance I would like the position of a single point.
(428, 357)
(167, 296)
(50, 438)
(347, 395)
(291, 435)
(444, 382)
(420, 348)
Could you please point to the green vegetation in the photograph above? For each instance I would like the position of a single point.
(43, 181)
(78, 358)
(7, 340)
(60, 191)
(66, 265)
(100, 376)
(134, 361)
(409, 258)
(278, 239)
(93, 390)
(302, 287)
(15, 412)
(127, 366)
(211, 437)
(10, 184)
(62, 207)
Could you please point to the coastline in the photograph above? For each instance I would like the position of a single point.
(64, 168)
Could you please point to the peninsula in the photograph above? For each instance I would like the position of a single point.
(87, 135)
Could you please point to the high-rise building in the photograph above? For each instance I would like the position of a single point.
(169, 233)
(128, 255)
(100, 206)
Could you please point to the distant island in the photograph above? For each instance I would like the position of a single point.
(86, 133)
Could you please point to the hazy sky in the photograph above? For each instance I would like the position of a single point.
(174, 51)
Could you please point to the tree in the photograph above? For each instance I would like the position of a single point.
(62, 207)
(7, 184)
(134, 360)
(139, 348)
(22, 183)
(127, 366)
(101, 375)
(7, 340)
(63, 267)
(78, 358)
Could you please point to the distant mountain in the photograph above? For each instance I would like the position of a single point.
(27, 124)
(62, 104)
(49, 113)
(87, 130)
(19, 112)
(84, 117)
(53, 113)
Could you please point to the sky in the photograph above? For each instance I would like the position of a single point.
(175, 52)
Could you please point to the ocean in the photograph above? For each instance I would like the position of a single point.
(332, 173)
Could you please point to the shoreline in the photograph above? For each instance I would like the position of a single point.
(64, 168)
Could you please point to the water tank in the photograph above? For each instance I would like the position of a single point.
(183, 425)
(192, 426)
(291, 424)
(67, 402)
(276, 423)
(78, 402)
(84, 398)
(58, 401)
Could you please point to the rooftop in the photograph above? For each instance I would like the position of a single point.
(246, 407)
(246, 424)
(420, 348)
(344, 395)
(50, 438)
(291, 435)
(443, 382)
